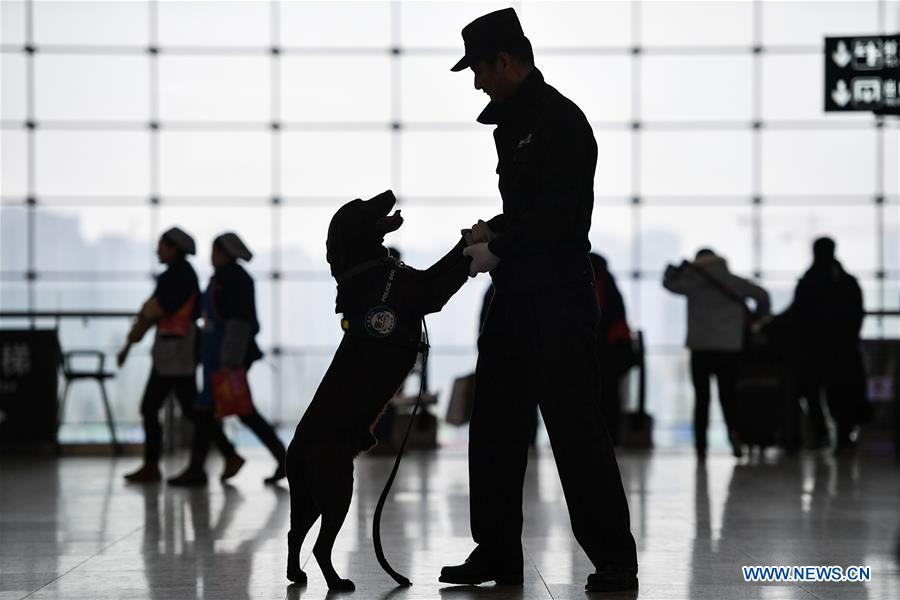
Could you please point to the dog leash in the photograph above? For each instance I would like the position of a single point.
(376, 521)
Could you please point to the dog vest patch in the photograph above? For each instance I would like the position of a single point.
(380, 321)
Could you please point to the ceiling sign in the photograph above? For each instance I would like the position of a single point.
(862, 73)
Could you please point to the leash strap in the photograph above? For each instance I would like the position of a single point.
(379, 508)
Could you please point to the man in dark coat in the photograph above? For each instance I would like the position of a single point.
(828, 312)
(539, 341)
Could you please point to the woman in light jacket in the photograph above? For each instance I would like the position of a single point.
(717, 317)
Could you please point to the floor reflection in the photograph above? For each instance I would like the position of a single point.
(72, 529)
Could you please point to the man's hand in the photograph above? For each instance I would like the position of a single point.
(483, 260)
(479, 233)
(122, 356)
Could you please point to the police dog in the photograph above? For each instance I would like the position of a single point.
(382, 302)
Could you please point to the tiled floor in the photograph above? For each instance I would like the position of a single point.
(72, 529)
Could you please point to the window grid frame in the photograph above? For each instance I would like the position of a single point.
(757, 125)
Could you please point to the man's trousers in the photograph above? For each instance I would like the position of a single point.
(542, 348)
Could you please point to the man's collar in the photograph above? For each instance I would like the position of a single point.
(526, 94)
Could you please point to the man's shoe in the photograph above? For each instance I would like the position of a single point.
(189, 478)
(478, 568)
(146, 474)
(612, 579)
(233, 464)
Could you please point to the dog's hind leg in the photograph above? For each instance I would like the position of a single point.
(334, 491)
(304, 513)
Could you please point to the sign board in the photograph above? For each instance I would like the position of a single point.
(29, 374)
(862, 73)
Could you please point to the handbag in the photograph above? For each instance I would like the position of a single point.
(231, 392)
(462, 398)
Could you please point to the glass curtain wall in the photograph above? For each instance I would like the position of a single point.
(121, 119)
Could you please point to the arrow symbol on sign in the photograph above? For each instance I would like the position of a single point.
(840, 94)
(841, 55)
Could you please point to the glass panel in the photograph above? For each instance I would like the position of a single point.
(670, 234)
(91, 23)
(14, 243)
(300, 373)
(891, 161)
(696, 88)
(99, 88)
(451, 164)
(335, 164)
(662, 316)
(230, 23)
(261, 377)
(264, 288)
(12, 21)
(599, 85)
(781, 293)
(92, 163)
(789, 231)
(792, 89)
(336, 88)
(891, 215)
(458, 323)
(695, 163)
(12, 102)
(215, 163)
(332, 24)
(304, 230)
(428, 231)
(204, 223)
(576, 24)
(14, 161)
(818, 162)
(612, 234)
(439, 24)
(94, 296)
(803, 22)
(613, 175)
(94, 238)
(429, 91)
(696, 23)
(205, 88)
(307, 315)
(14, 296)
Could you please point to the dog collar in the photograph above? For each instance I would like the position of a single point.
(360, 268)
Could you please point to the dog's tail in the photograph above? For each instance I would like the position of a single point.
(376, 521)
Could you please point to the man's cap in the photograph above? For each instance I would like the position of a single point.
(233, 246)
(490, 33)
(180, 239)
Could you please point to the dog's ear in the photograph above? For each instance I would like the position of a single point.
(335, 245)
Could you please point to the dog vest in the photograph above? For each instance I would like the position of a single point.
(383, 320)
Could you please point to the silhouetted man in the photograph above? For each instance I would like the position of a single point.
(828, 308)
(539, 340)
